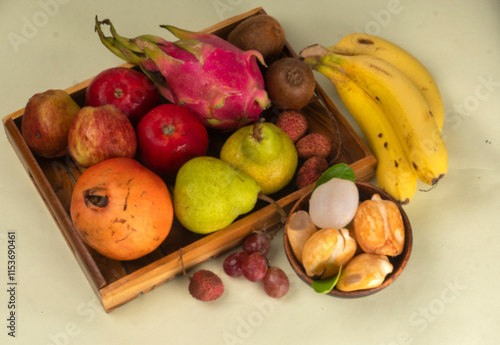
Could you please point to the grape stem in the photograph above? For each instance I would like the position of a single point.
(280, 210)
(182, 265)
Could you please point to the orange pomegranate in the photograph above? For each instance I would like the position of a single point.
(121, 209)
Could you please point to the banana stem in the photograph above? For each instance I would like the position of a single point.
(312, 55)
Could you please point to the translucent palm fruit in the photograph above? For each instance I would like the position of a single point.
(334, 203)
(379, 227)
(364, 271)
(326, 250)
(299, 229)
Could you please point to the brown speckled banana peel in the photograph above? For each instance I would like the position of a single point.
(402, 103)
(366, 44)
(394, 172)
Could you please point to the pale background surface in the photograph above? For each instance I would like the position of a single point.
(448, 293)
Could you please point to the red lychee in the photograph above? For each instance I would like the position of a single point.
(293, 123)
(310, 171)
(205, 286)
(314, 144)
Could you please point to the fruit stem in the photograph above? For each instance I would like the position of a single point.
(182, 265)
(168, 130)
(95, 198)
(280, 210)
(257, 132)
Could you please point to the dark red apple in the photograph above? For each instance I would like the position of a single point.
(168, 136)
(46, 121)
(100, 133)
(128, 89)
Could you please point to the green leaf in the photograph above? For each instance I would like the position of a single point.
(326, 285)
(340, 170)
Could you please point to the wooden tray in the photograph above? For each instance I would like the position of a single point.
(117, 283)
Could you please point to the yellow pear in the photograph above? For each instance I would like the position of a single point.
(263, 151)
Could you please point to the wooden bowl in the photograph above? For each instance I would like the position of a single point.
(399, 262)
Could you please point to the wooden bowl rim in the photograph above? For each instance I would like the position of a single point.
(399, 262)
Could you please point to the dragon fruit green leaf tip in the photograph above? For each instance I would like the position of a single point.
(221, 83)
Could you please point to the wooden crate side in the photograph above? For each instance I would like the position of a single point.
(53, 204)
(164, 269)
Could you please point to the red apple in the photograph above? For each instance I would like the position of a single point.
(46, 121)
(128, 89)
(168, 136)
(100, 133)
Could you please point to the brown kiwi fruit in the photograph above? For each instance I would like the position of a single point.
(262, 33)
(289, 83)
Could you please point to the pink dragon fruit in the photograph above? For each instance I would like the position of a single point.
(222, 84)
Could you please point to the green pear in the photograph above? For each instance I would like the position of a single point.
(209, 194)
(263, 151)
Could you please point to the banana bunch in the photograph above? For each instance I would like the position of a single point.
(397, 105)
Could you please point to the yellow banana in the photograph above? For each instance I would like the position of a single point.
(401, 101)
(366, 44)
(394, 172)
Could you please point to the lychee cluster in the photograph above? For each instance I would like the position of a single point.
(312, 148)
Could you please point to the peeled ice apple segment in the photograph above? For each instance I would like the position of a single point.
(334, 203)
(300, 229)
(326, 250)
(364, 271)
(350, 245)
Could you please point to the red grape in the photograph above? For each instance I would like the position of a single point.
(254, 267)
(276, 283)
(257, 243)
(232, 264)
